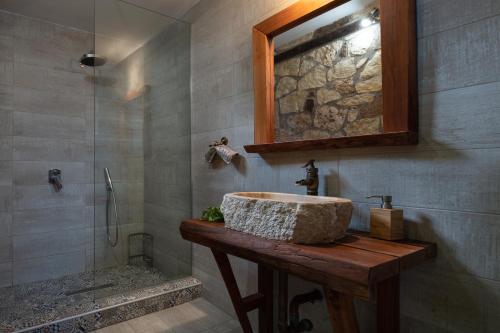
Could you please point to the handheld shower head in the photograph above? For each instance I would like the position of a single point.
(107, 179)
(110, 200)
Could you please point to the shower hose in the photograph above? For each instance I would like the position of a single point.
(111, 195)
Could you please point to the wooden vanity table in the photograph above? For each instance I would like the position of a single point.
(356, 266)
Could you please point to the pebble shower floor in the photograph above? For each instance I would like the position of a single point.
(53, 305)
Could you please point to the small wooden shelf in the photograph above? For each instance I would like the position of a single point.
(385, 139)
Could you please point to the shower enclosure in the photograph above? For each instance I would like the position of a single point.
(99, 90)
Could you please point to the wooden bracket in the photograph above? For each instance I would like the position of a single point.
(262, 300)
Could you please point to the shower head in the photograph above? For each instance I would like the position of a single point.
(92, 60)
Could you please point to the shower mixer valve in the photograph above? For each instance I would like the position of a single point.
(55, 179)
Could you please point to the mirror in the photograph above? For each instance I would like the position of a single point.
(335, 74)
(328, 75)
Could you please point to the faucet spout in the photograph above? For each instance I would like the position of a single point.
(311, 181)
(303, 182)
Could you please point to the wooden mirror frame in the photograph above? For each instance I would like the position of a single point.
(399, 77)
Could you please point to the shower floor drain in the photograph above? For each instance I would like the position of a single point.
(85, 290)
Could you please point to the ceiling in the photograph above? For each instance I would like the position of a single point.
(174, 8)
(79, 13)
(120, 26)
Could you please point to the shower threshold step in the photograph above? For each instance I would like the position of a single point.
(126, 293)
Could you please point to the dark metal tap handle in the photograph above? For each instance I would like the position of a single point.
(55, 179)
(310, 163)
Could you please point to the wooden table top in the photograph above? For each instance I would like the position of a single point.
(354, 264)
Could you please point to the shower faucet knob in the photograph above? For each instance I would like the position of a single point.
(55, 179)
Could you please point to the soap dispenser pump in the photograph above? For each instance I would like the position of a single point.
(386, 222)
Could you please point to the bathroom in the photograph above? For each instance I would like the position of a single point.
(142, 88)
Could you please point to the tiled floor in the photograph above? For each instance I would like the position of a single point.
(198, 316)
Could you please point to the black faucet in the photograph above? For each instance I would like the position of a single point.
(55, 179)
(311, 181)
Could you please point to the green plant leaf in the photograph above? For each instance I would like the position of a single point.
(212, 214)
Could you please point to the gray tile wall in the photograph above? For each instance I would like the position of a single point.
(45, 122)
(449, 185)
(167, 144)
(119, 126)
(145, 142)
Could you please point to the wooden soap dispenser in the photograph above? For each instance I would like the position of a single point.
(386, 222)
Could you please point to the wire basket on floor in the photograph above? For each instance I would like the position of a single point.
(140, 249)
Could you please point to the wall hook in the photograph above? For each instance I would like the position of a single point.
(221, 149)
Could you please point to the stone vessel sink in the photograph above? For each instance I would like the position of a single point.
(288, 217)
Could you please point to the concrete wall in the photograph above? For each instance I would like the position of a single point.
(449, 185)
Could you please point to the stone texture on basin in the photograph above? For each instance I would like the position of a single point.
(289, 217)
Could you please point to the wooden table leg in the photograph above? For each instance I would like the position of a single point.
(342, 312)
(232, 287)
(262, 300)
(388, 306)
(283, 302)
(266, 309)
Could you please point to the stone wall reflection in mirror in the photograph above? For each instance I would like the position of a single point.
(328, 75)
